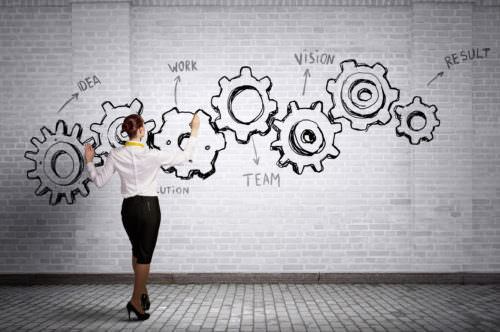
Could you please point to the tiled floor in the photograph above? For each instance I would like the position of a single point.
(254, 307)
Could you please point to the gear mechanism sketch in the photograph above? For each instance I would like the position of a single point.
(109, 129)
(174, 129)
(225, 104)
(305, 137)
(59, 163)
(362, 94)
(417, 121)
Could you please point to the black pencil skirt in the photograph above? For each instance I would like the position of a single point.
(141, 218)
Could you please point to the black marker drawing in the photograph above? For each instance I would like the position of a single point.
(73, 96)
(170, 137)
(306, 75)
(256, 159)
(306, 136)
(177, 79)
(109, 129)
(417, 121)
(226, 102)
(362, 94)
(59, 163)
(440, 74)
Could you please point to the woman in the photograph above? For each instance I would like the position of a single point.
(138, 168)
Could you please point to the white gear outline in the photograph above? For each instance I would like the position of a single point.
(108, 131)
(361, 78)
(45, 157)
(177, 133)
(222, 103)
(416, 108)
(294, 149)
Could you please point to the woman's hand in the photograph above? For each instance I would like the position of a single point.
(195, 124)
(89, 153)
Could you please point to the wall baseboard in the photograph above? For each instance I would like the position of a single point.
(256, 278)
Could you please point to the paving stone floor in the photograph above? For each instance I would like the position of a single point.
(254, 307)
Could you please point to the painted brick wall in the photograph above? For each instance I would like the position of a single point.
(383, 205)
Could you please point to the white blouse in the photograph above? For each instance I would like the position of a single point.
(138, 167)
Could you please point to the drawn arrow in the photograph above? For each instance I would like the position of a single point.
(177, 79)
(306, 75)
(440, 74)
(256, 159)
(73, 96)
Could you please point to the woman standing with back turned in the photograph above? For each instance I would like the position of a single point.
(141, 216)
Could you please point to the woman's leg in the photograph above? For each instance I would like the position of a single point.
(134, 265)
(141, 277)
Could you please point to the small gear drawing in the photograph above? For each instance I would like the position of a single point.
(109, 129)
(174, 129)
(60, 163)
(362, 94)
(225, 101)
(415, 111)
(306, 137)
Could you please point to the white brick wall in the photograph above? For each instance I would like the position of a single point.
(382, 206)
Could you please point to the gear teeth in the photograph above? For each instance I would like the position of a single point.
(379, 69)
(296, 152)
(61, 128)
(107, 106)
(223, 82)
(40, 190)
(265, 82)
(276, 143)
(221, 104)
(45, 132)
(31, 155)
(32, 174)
(36, 142)
(377, 110)
(283, 160)
(348, 65)
(330, 85)
(245, 71)
(293, 106)
(318, 167)
(404, 114)
(215, 101)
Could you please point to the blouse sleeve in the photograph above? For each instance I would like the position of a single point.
(102, 177)
(167, 158)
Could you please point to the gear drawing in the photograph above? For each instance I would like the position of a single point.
(410, 115)
(362, 94)
(305, 137)
(225, 103)
(59, 163)
(174, 129)
(109, 129)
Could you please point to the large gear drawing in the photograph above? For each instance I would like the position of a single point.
(109, 129)
(59, 163)
(416, 110)
(362, 94)
(174, 129)
(305, 137)
(224, 105)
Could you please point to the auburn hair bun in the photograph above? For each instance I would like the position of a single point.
(131, 124)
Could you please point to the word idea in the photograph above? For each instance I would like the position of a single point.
(88, 83)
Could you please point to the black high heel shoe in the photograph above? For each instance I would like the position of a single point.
(145, 301)
(140, 316)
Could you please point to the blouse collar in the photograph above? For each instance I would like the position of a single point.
(133, 143)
